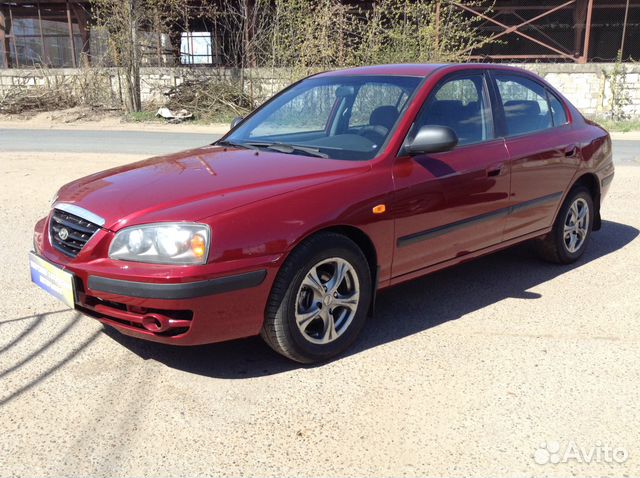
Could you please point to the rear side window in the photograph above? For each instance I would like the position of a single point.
(461, 104)
(525, 104)
(558, 113)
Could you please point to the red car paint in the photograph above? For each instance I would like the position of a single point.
(261, 205)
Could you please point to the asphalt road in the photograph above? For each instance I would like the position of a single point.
(155, 143)
(475, 371)
(626, 152)
(113, 142)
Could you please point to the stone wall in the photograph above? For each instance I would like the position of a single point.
(588, 86)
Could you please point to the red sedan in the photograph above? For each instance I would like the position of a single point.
(343, 184)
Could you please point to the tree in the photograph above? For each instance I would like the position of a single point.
(418, 31)
(131, 26)
(293, 38)
(314, 35)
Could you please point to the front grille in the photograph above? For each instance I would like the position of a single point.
(78, 232)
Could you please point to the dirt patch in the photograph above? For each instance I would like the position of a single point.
(78, 114)
(467, 372)
(628, 135)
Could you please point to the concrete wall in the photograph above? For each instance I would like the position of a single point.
(587, 86)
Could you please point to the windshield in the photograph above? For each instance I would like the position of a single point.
(347, 117)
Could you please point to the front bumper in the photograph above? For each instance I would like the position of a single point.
(181, 305)
(186, 290)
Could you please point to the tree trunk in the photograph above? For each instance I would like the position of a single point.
(133, 101)
(136, 101)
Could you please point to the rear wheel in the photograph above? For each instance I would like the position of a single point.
(568, 239)
(319, 300)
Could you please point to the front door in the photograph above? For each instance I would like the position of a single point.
(452, 203)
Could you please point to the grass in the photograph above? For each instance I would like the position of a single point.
(142, 117)
(623, 126)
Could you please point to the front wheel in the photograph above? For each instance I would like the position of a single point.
(319, 300)
(568, 239)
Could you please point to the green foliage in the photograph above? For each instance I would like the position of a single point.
(307, 36)
(293, 38)
(622, 126)
(417, 31)
(141, 117)
(300, 37)
(619, 94)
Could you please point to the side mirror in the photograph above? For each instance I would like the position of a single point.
(432, 139)
(236, 121)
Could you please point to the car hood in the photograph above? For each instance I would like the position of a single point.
(196, 184)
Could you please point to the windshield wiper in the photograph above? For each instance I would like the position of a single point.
(234, 145)
(289, 148)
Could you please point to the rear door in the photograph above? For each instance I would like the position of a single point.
(542, 156)
(452, 203)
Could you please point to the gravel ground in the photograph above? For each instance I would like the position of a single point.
(463, 373)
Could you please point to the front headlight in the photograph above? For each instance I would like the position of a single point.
(162, 243)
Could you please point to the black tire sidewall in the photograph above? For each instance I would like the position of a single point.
(565, 255)
(316, 352)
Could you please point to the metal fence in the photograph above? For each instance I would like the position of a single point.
(548, 30)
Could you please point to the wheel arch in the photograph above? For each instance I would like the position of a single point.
(362, 240)
(591, 182)
(364, 243)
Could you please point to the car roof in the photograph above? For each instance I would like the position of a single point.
(399, 69)
(413, 69)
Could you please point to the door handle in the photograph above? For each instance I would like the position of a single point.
(495, 170)
(570, 151)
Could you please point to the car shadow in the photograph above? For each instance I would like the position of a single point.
(421, 304)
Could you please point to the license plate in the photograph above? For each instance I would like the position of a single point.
(52, 279)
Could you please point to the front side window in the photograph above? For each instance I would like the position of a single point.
(348, 117)
(460, 104)
(374, 96)
(524, 103)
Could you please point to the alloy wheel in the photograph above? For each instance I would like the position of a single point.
(576, 225)
(327, 300)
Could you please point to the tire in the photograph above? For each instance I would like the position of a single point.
(317, 301)
(558, 245)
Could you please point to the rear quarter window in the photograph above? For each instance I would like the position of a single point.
(558, 113)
